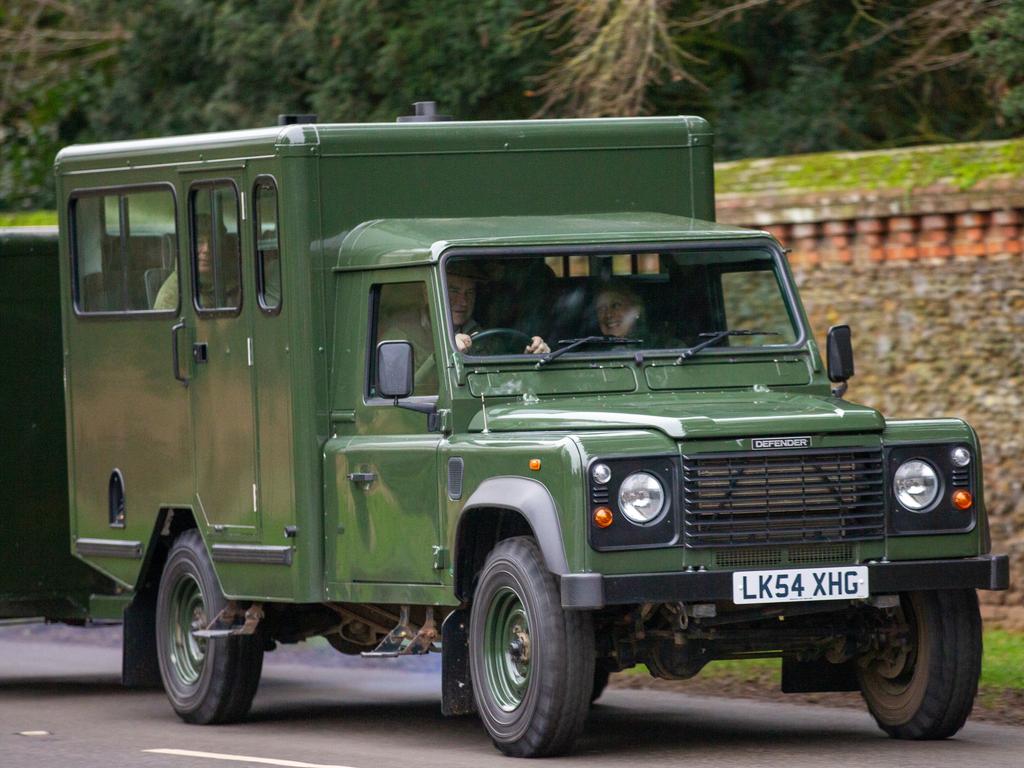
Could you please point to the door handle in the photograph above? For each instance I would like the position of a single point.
(175, 366)
(362, 477)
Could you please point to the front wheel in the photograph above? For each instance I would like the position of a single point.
(532, 663)
(921, 681)
(207, 681)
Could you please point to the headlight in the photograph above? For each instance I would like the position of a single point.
(641, 498)
(601, 473)
(916, 485)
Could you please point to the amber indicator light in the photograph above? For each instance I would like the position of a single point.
(962, 499)
(602, 517)
(535, 464)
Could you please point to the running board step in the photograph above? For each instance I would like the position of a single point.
(231, 613)
(405, 640)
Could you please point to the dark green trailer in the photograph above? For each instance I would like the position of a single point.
(502, 390)
(40, 576)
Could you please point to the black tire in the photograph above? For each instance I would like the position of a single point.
(533, 703)
(601, 675)
(928, 691)
(207, 681)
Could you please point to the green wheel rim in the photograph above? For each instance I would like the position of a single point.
(507, 649)
(188, 613)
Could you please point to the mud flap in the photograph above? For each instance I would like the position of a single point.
(456, 684)
(139, 665)
(818, 676)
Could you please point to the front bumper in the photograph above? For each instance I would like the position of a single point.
(593, 590)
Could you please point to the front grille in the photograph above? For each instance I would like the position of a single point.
(803, 554)
(748, 558)
(784, 497)
(820, 553)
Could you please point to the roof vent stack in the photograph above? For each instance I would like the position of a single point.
(424, 112)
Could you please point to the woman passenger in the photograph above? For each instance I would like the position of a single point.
(620, 311)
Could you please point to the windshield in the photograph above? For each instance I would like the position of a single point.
(617, 303)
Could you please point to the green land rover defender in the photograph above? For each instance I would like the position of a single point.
(502, 390)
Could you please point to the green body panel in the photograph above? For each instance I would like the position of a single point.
(41, 577)
(260, 447)
(589, 380)
(396, 242)
(689, 415)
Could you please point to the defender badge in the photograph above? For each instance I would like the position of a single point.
(768, 443)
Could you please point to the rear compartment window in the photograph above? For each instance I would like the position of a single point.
(268, 247)
(124, 246)
(216, 253)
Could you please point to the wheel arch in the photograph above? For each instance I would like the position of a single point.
(502, 507)
(170, 523)
(139, 666)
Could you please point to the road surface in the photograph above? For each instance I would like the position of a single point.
(61, 705)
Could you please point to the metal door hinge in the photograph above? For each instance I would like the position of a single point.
(440, 558)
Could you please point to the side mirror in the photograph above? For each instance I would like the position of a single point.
(839, 350)
(394, 369)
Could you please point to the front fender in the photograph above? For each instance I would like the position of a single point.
(529, 498)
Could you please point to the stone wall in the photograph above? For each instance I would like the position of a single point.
(928, 270)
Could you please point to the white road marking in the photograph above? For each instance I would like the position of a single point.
(33, 733)
(241, 758)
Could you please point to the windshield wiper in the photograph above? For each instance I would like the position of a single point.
(576, 343)
(717, 336)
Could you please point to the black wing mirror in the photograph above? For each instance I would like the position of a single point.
(395, 380)
(839, 350)
(394, 369)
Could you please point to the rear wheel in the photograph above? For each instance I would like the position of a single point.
(921, 682)
(532, 663)
(207, 681)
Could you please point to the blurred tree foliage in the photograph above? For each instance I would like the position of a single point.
(999, 44)
(773, 76)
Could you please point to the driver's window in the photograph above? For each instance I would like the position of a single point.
(401, 311)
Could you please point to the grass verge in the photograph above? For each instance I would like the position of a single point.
(27, 218)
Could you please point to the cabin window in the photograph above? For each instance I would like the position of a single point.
(124, 245)
(216, 253)
(268, 245)
(402, 312)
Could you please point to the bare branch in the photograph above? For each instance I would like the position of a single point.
(615, 49)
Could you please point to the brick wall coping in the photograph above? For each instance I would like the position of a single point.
(835, 186)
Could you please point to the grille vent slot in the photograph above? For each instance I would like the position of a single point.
(754, 557)
(825, 553)
(782, 498)
(961, 477)
(455, 470)
(748, 558)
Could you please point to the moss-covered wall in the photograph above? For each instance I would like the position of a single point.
(921, 253)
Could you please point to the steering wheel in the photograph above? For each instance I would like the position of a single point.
(510, 335)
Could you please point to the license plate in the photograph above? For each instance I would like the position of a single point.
(800, 585)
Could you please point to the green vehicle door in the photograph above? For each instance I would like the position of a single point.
(127, 415)
(389, 514)
(221, 388)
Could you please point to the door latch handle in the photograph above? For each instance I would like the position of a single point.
(199, 352)
(175, 367)
(362, 477)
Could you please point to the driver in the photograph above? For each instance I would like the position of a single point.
(462, 287)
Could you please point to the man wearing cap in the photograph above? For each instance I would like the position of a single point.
(462, 286)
